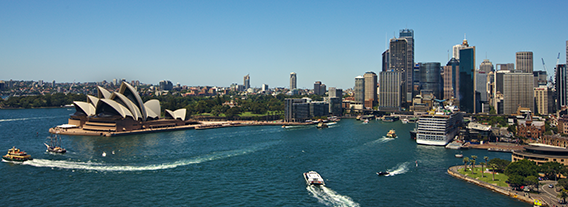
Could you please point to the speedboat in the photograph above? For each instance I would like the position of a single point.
(459, 155)
(366, 121)
(15, 154)
(383, 173)
(313, 178)
(391, 134)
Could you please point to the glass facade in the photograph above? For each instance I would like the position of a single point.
(467, 80)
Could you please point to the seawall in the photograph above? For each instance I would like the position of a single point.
(453, 171)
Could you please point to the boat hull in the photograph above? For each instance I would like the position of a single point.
(17, 159)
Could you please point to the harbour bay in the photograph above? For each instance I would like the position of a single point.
(234, 166)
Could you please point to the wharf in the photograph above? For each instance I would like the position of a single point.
(498, 147)
(199, 126)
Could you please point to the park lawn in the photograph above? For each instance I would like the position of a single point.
(500, 178)
(248, 113)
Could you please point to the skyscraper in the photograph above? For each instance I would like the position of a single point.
(561, 84)
(408, 34)
(486, 66)
(399, 62)
(451, 80)
(319, 88)
(390, 90)
(467, 78)
(246, 81)
(518, 91)
(543, 100)
(335, 92)
(370, 89)
(292, 81)
(524, 61)
(506, 66)
(359, 89)
(430, 79)
(386, 56)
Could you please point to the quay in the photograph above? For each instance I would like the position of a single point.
(498, 147)
(197, 125)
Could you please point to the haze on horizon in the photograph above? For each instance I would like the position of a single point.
(217, 43)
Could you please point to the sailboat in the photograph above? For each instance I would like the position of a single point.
(55, 144)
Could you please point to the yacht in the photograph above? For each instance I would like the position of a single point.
(439, 126)
(313, 178)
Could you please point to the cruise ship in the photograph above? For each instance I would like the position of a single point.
(439, 126)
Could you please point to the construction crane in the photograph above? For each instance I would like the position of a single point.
(543, 65)
(558, 59)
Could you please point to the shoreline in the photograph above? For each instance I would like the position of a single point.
(201, 126)
(453, 171)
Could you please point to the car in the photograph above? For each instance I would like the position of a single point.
(561, 202)
(551, 186)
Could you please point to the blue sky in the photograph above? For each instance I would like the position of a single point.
(216, 43)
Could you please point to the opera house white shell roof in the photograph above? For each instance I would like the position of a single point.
(125, 103)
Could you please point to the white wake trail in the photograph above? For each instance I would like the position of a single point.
(399, 169)
(329, 197)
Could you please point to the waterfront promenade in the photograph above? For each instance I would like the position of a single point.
(545, 197)
(198, 126)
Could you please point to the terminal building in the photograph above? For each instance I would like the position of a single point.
(542, 154)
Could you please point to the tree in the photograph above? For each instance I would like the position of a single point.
(501, 164)
(563, 183)
(516, 181)
(493, 166)
(563, 194)
(550, 169)
(532, 180)
(473, 157)
(465, 161)
(523, 168)
(481, 163)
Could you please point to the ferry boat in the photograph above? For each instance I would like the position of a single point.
(54, 145)
(15, 154)
(439, 126)
(313, 178)
(391, 134)
(321, 125)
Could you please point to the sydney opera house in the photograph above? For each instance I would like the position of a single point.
(122, 111)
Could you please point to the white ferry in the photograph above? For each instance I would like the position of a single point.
(438, 127)
(313, 178)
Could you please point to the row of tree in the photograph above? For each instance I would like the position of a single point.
(39, 101)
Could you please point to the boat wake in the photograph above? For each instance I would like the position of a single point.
(399, 169)
(329, 197)
(75, 165)
(29, 118)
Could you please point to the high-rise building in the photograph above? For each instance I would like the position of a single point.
(319, 88)
(264, 87)
(543, 100)
(416, 78)
(481, 89)
(370, 89)
(359, 89)
(335, 92)
(540, 78)
(561, 84)
(246, 82)
(467, 78)
(408, 34)
(486, 66)
(518, 91)
(390, 92)
(292, 81)
(317, 85)
(524, 61)
(399, 62)
(451, 80)
(386, 56)
(456, 51)
(506, 66)
(431, 79)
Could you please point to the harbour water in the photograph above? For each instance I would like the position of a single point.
(235, 166)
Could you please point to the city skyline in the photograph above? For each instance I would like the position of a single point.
(191, 42)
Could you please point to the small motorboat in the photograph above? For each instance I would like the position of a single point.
(391, 134)
(383, 173)
(15, 154)
(313, 178)
(459, 155)
(366, 121)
